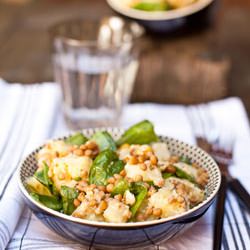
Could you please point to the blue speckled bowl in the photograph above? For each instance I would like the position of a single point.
(103, 235)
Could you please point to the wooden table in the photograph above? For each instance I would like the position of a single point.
(25, 55)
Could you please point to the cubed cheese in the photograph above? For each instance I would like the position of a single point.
(148, 175)
(116, 212)
(167, 201)
(59, 146)
(191, 192)
(161, 151)
(123, 152)
(129, 198)
(51, 150)
(66, 170)
(85, 211)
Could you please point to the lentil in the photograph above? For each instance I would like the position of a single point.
(81, 197)
(153, 159)
(76, 203)
(143, 167)
(111, 180)
(138, 178)
(171, 169)
(149, 211)
(88, 152)
(141, 159)
(103, 205)
(78, 152)
(133, 160)
(83, 147)
(157, 212)
(102, 188)
(123, 173)
(117, 176)
(92, 203)
(61, 176)
(91, 145)
(109, 188)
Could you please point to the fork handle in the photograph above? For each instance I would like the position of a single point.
(219, 214)
(240, 191)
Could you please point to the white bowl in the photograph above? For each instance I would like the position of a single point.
(120, 7)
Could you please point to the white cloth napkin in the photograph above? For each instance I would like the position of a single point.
(29, 117)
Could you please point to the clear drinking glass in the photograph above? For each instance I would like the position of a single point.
(96, 65)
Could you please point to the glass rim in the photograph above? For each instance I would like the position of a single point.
(89, 43)
(54, 32)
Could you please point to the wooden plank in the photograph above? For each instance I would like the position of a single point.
(25, 56)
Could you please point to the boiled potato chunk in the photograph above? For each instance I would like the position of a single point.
(68, 170)
(153, 174)
(116, 212)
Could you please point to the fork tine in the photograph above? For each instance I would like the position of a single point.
(211, 131)
(221, 141)
(197, 128)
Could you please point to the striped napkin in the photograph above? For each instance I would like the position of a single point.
(30, 114)
(27, 119)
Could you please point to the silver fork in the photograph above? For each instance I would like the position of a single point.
(208, 137)
(221, 149)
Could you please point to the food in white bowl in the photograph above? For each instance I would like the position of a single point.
(158, 5)
(135, 178)
(154, 16)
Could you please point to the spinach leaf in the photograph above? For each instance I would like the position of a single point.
(76, 139)
(151, 183)
(120, 187)
(98, 171)
(42, 175)
(104, 140)
(140, 133)
(150, 6)
(141, 192)
(35, 196)
(179, 173)
(137, 187)
(105, 165)
(48, 201)
(167, 175)
(183, 175)
(68, 195)
(185, 159)
(54, 190)
(35, 186)
(115, 167)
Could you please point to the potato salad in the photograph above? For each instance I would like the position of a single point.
(134, 178)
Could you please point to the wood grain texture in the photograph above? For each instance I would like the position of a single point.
(178, 65)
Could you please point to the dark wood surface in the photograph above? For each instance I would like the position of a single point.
(25, 54)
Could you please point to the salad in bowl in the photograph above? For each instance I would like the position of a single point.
(135, 178)
(158, 5)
